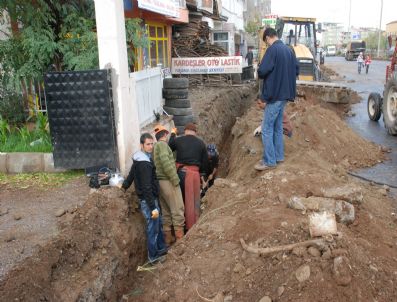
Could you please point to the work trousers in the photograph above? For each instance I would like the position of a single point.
(154, 232)
(173, 210)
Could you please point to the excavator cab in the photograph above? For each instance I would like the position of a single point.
(300, 34)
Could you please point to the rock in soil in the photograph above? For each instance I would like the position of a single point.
(17, 216)
(280, 291)
(303, 273)
(341, 271)
(313, 251)
(265, 299)
(60, 212)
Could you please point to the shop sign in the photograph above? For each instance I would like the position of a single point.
(204, 65)
(163, 7)
(269, 21)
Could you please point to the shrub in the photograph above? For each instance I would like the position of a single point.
(11, 107)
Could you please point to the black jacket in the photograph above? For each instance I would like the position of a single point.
(190, 150)
(143, 174)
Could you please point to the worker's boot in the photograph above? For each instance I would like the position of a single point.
(169, 239)
(179, 233)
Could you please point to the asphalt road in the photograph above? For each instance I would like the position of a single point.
(364, 84)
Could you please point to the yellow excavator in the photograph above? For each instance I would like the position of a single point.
(299, 33)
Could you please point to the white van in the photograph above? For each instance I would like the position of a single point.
(331, 50)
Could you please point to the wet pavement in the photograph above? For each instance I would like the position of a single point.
(364, 84)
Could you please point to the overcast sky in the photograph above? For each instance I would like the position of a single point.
(363, 13)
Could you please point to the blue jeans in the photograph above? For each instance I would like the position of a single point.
(154, 232)
(272, 133)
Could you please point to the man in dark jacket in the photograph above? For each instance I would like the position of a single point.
(191, 164)
(278, 69)
(143, 174)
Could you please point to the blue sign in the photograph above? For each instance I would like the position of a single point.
(127, 5)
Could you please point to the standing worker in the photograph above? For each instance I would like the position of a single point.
(173, 210)
(191, 163)
(143, 174)
(278, 69)
(249, 56)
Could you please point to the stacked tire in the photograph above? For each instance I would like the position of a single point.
(175, 93)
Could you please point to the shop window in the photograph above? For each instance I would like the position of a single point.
(222, 40)
(158, 44)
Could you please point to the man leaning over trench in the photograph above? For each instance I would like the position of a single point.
(173, 210)
(143, 174)
(278, 69)
(191, 163)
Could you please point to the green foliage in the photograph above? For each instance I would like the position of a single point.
(136, 38)
(52, 35)
(20, 142)
(24, 134)
(253, 28)
(372, 41)
(4, 130)
(39, 180)
(11, 107)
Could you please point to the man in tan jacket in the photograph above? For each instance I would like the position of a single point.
(173, 210)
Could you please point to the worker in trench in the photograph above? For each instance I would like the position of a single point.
(171, 202)
(191, 163)
(212, 168)
(143, 174)
(278, 69)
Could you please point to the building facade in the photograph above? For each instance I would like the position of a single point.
(157, 17)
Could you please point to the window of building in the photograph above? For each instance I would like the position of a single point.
(158, 44)
(222, 39)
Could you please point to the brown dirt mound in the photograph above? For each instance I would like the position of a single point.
(210, 260)
(93, 258)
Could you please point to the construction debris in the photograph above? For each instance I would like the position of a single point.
(192, 40)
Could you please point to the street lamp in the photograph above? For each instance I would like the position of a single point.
(380, 25)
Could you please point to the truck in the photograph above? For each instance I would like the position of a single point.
(386, 104)
(331, 50)
(353, 49)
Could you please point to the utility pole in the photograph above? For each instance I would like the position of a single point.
(350, 13)
(380, 25)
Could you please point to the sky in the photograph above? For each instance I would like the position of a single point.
(363, 13)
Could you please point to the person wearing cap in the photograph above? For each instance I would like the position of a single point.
(143, 174)
(279, 70)
(173, 210)
(191, 164)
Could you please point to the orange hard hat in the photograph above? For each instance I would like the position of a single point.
(159, 128)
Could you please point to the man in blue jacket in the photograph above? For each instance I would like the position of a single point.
(278, 69)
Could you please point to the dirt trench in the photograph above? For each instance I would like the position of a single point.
(360, 264)
(95, 253)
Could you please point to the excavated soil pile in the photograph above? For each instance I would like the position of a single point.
(93, 258)
(269, 209)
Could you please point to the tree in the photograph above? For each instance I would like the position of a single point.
(371, 42)
(253, 28)
(51, 35)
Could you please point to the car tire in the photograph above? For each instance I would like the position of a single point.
(182, 120)
(374, 106)
(175, 94)
(178, 111)
(176, 83)
(180, 103)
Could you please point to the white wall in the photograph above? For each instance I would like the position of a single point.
(233, 9)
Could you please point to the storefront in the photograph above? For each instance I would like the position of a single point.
(157, 20)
